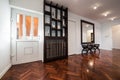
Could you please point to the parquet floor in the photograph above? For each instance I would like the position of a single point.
(105, 66)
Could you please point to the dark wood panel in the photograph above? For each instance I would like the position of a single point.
(55, 49)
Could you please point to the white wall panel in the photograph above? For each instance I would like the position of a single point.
(115, 36)
(4, 36)
(107, 34)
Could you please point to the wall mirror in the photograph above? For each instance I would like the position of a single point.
(87, 32)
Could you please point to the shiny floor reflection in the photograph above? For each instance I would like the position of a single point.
(105, 66)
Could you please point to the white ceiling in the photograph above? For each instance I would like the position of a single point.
(84, 8)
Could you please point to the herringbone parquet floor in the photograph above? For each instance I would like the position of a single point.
(105, 66)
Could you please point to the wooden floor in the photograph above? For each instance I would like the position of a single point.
(105, 66)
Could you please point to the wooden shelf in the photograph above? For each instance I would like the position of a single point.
(54, 19)
(53, 28)
(64, 17)
(47, 12)
(47, 24)
(55, 38)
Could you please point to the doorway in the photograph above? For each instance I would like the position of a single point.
(115, 37)
(26, 36)
(71, 37)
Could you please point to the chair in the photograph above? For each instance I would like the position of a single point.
(96, 46)
(85, 48)
(91, 48)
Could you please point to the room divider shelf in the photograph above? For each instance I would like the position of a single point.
(55, 31)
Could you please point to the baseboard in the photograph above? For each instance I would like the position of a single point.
(106, 49)
(5, 70)
(116, 48)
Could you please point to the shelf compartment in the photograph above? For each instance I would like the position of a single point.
(58, 33)
(47, 8)
(53, 24)
(64, 22)
(53, 33)
(58, 25)
(63, 32)
(47, 30)
(53, 13)
(58, 14)
(47, 19)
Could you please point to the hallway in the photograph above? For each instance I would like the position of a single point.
(105, 66)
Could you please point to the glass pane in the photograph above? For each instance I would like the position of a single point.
(28, 25)
(59, 14)
(59, 25)
(47, 30)
(53, 24)
(35, 26)
(53, 33)
(19, 26)
(58, 33)
(47, 19)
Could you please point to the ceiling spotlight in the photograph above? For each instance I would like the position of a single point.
(106, 13)
(96, 5)
(113, 18)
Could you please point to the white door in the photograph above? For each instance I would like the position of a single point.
(26, 35)
(71, 37)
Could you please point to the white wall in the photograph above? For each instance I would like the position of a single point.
(107, 34)
(115, 36)
(77, 18)
(4, 36)
(36, 5)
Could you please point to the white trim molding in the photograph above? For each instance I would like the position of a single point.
(33, 11)
(5, 70)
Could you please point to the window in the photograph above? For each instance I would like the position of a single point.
(27, 27)
(19, 26)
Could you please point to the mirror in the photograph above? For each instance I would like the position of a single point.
(87, 32)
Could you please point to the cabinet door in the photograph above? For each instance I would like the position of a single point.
(55, 49)
(27, 52)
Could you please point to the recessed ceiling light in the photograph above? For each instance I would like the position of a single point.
(113, 18)
(106, 13)
(95, 6)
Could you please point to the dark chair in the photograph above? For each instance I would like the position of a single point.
(85, 48)
(96, 46)
(91, 48)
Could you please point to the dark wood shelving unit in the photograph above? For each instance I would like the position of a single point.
(55, 31)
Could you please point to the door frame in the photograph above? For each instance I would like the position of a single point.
(68, 35)
(41, 34)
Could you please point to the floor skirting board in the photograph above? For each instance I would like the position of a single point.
(5, 70)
